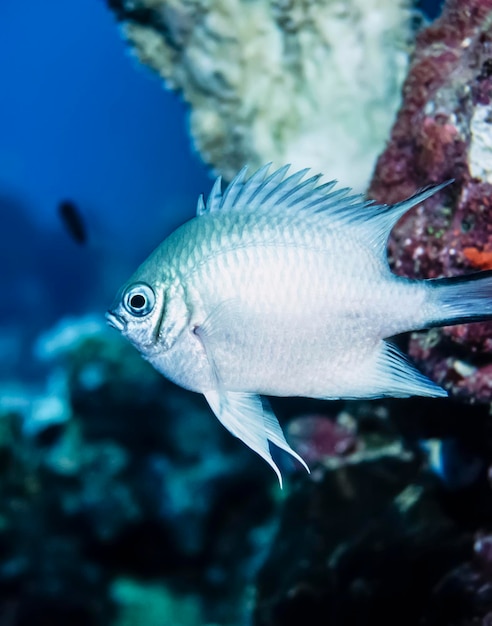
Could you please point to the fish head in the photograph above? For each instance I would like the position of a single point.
(155, 318)
(150, 310)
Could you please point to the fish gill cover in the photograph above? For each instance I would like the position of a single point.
(124, 502)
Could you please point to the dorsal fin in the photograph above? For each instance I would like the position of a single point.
(341, 207)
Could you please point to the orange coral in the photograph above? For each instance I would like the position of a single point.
(478, 258)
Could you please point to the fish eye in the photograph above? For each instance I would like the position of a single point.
(139, 300)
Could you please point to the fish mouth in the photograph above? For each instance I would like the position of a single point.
(115, 321)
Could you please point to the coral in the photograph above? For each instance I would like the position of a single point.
(317, 438)
(310, 83)
(352, 546)
(443, 131)
(374, 536)
(346, 440)
(466, 590)
(140, 603)
(45, 572)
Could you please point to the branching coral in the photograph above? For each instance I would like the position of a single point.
(298, 81)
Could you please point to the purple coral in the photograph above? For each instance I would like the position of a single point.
(443, 131)
(317, 438)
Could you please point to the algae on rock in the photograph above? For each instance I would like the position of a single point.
(290, 81)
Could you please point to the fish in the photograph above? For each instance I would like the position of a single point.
(280, 286)
(73, 221)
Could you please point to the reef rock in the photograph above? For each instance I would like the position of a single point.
(444, 131)
(309, 83)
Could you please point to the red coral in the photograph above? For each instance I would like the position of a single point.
(317, 437)
(449, 80)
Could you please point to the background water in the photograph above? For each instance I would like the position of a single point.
(80, 119)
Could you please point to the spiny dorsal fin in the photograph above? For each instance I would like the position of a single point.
(274, 192)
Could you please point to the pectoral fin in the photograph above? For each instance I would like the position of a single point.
(246, 415)
(249, 418)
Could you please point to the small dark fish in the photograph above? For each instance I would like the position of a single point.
(73, 221)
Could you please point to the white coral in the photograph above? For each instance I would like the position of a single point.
(313, 83)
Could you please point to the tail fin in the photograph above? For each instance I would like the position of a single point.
(462, 299)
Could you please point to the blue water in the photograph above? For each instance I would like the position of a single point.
(431, 8)
(80, 119)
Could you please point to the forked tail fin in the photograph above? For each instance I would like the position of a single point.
(462, 299)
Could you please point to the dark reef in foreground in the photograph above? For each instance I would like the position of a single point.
(125, 502)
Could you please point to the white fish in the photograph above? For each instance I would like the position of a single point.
(281, 287)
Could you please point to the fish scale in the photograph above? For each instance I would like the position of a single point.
(280, 286)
